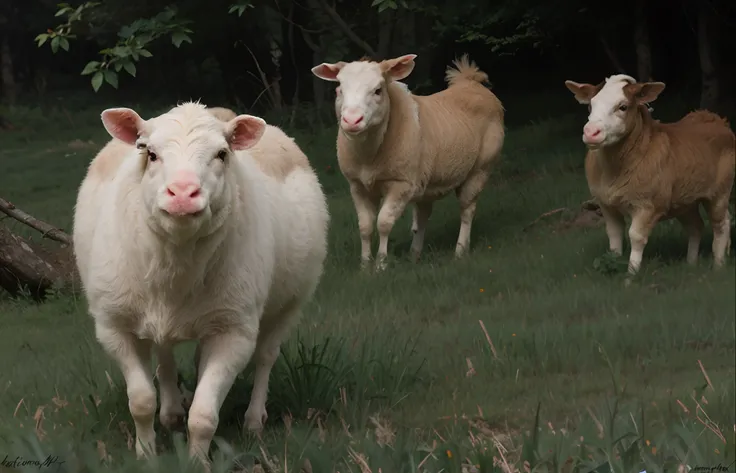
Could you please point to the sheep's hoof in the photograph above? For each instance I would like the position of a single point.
(381, 264)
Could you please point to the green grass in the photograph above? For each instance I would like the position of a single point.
(396, 367)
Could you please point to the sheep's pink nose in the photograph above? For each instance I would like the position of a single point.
(183, 191)
(352, 120)
(592, 132)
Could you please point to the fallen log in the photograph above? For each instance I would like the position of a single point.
(47, 230)
(27, 267)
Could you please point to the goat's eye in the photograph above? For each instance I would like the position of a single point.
(378, 91)
(623, 107)
(222, 154)
(152, 156)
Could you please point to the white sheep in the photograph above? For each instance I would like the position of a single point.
(190, 227)
(407, 148)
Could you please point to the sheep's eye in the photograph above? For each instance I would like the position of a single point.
(378, 91)
(222, 154)
(623, 107)
(152, 156)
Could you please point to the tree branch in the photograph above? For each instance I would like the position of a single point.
(48, 231)
(345, 28)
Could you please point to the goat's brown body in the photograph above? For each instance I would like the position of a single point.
(665, 170)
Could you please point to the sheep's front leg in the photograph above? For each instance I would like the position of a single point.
(222, 357)
(397, 197)
(642, 223)
(270, 336)
(172, 411)
(365, 207)
(134, 357)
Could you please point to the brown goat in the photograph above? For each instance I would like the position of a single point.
(655, 171)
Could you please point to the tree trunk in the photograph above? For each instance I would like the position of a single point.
(710, 90)
(7, 74)
(643, 44)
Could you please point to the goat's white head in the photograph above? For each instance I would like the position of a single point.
(361, 100)
(613, 107)
(185, 155)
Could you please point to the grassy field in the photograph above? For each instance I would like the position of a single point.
(529, 350)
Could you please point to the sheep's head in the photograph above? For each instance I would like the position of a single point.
(185, 157)
(361, 100)
(613, 107)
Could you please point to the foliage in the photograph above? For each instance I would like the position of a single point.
(132, 45)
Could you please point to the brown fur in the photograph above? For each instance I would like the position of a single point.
(452, 147)
(222, 113)
(108, 160)
(665, 170)
(277, 154)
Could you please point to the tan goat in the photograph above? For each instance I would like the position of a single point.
(406, 148)
(655, 171)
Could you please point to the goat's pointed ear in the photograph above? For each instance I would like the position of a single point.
(123, 123)
(244, 131)
(327, 71)
(583, 92)
(399, 68)
(645, 92)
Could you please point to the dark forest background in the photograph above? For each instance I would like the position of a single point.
(256, 55)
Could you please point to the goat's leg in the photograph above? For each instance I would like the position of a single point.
(615, 224)
(693, 224)
(642, 223)
(720, 220)
(134, 357)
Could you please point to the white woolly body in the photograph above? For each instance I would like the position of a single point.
(265, 251)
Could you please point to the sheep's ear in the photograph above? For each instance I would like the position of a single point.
(123, 123)
(644, 92)
(244, 131)
(583, 92)
(399, 68)
(328, 71)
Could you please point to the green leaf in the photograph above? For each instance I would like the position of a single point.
(118, 66)
(97, 80)
(64, 43)
(55, 44)
(42, 39)
(130, 68)
(145, 52)
(91, 67)
(111, 77)
(62, 11)
(179, 37)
